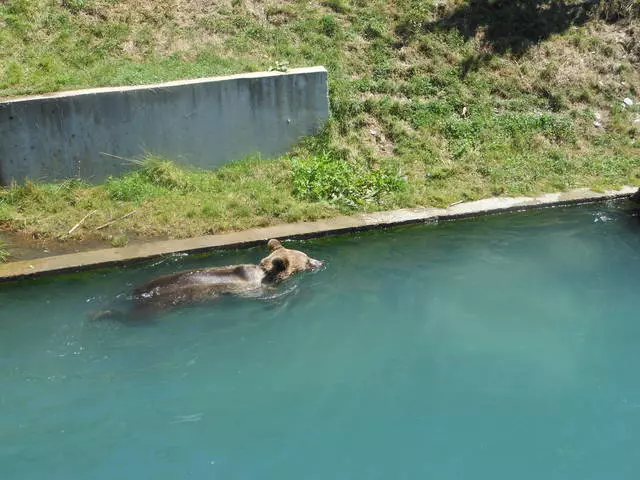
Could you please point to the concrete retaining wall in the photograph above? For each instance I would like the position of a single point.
(204, 122)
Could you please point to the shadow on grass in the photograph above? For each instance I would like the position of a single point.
(513, 26)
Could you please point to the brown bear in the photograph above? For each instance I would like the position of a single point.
(195, 286)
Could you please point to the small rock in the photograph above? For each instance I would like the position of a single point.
(597, 124)
(373, 132)
(627, 101)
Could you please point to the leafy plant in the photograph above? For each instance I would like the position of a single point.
(119, 241)
(329, 178)
(280, 66)
(329, 26)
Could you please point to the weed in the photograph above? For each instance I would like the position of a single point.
(164, 173)
(327, 178)
(338, 6)
(279, 66)
(374, 29)
(4, 252)
(329, 26)
(155, 176)
(119, 241)
(412, 17)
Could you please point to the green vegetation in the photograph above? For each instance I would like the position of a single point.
(4, 252)
(119, 241)
(323, 177)
(166, 200)
(432, 102)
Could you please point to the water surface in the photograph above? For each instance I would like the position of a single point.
(497, 348)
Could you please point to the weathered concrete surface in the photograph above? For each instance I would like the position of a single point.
(337, 225)
(204, 122)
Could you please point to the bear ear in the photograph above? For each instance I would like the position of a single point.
(279, 264)
(274, 244)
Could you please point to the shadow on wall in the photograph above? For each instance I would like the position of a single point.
(514, 26)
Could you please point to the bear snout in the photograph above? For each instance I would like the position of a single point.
(315, 264)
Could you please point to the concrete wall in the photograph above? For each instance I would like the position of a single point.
(204, 122)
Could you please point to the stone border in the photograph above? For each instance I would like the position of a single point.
(333, 226)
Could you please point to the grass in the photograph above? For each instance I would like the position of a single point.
(328, 178)
(432, 103)
(4, 252)
(169, 201)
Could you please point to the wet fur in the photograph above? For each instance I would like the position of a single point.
(198, 286)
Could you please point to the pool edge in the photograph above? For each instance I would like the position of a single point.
(333, 226)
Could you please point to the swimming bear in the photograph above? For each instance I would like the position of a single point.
(196, 286)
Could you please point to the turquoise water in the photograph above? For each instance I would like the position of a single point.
(506, 347)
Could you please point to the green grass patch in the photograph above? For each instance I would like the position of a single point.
(328, 178)
(172, 201)
(156, 176)
(167, 200)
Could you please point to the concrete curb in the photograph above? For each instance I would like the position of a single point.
(332, 226)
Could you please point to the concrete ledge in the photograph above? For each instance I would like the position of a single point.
(333, 226)
(204, 122)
